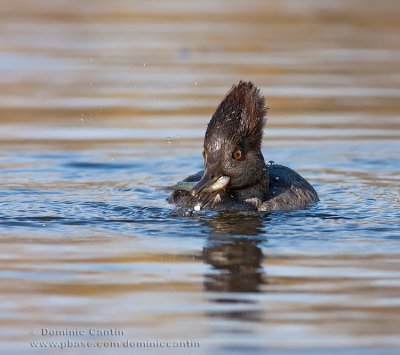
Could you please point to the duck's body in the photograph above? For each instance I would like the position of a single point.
(286, 190)
(236, 177)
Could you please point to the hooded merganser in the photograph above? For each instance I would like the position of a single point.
(235, 176)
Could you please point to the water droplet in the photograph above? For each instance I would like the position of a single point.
(277, 178)
(271, 162)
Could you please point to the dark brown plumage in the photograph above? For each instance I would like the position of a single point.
(239, 118)
(232, 154)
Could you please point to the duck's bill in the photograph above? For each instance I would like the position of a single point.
(217, 185)
(210, 185)
(211, 191)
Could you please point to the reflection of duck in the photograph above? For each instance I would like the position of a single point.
(235, 176)
(236, 261)
(235, 257)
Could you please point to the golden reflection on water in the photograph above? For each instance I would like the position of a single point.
(353, 297)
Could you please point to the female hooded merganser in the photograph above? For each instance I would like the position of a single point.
(235, 176)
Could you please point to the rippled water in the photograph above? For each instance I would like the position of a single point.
(103, 104)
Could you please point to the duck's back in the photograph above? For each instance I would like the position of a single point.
(287, 190)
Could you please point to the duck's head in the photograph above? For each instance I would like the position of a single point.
(232, 144)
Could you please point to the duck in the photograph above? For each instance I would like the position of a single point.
(236, 177)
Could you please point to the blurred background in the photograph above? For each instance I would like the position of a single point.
(104, 103)
(164, 66)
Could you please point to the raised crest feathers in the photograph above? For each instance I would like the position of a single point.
(240, 117)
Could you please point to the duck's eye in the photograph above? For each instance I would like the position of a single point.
(237, 154)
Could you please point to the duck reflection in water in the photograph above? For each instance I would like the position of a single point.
(237, 260)
(233, 251)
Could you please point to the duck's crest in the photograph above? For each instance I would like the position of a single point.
(240, 117)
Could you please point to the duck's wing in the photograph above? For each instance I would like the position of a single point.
(182, 197)
(287, 190)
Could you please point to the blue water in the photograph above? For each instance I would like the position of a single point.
(57, 192)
